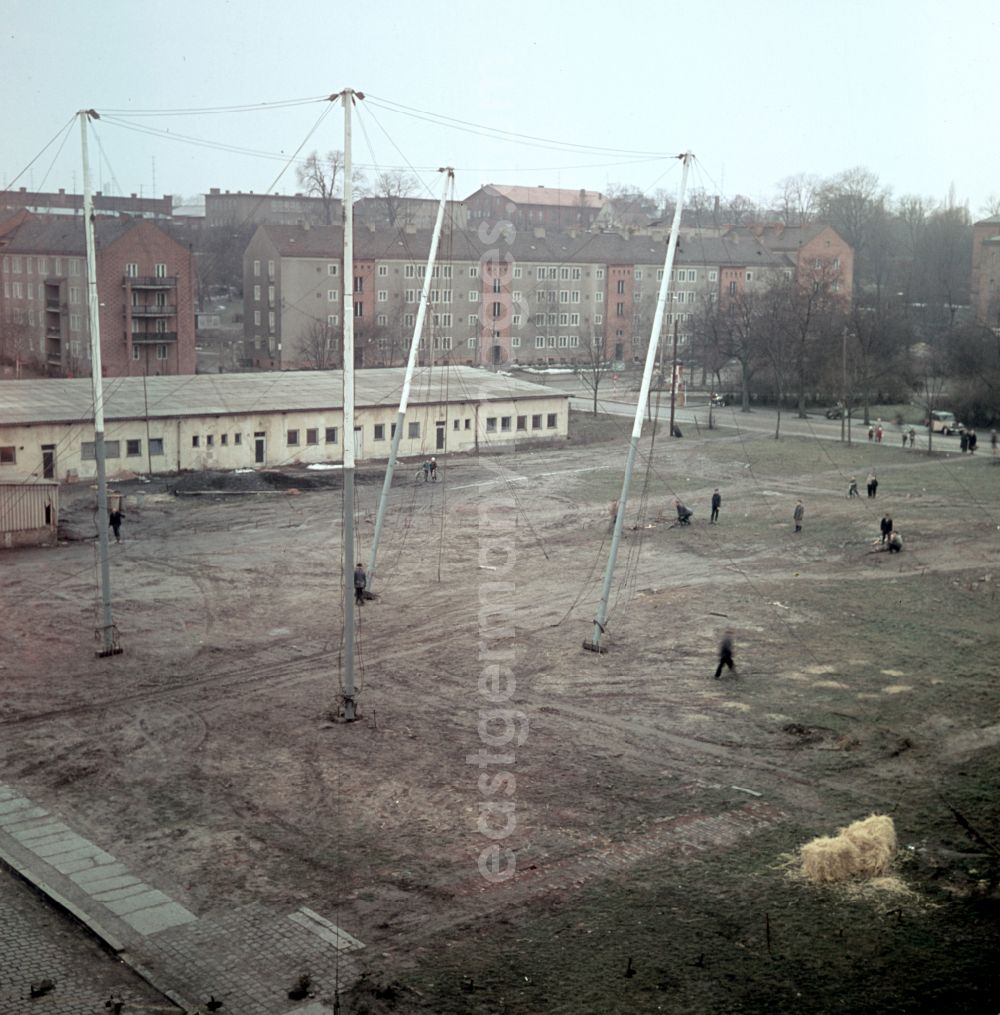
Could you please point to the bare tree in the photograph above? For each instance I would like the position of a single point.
(991, 209)
(739, 321)
(854, 202)
(320, 346)
(393, 188)
(596, 364)
(320, 176)
(796, 199)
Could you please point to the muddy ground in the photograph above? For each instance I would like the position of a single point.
(649, 806)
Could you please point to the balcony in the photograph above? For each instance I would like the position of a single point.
(148, 282)
(154, 337)
(151, 310)
(54, 303)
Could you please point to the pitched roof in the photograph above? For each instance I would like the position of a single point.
(63, 235)
(561, 197)
(252, 393)
(554, 247)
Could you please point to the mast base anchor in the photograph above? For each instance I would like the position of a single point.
(594, 646)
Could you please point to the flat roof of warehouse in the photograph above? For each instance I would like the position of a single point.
(52, 401)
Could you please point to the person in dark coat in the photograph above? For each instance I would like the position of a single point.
(683, 513)
(895, 542)
(963, 442)
(360, 581)
(798, 514)
(973, 440)
(115, 522)
(872, 484)
(886, 526)
(725, 655)
(716, 504)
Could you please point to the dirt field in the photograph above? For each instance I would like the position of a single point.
(649, 805)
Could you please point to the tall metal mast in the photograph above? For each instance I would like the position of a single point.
(408, 376)
(348, 703)
(108, 635)
(647, 374)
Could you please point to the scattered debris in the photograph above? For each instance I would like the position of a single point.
(742, 789)
(42, 987)
(301, 989)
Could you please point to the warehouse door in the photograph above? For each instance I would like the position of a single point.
(48, 461)
(259, 448)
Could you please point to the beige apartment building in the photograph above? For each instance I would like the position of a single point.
(499, 295)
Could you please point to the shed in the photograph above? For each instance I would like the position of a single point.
(29, 511)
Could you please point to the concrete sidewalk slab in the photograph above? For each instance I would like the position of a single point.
(247, 957)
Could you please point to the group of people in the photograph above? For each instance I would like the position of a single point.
(967, 441)
(430, 468)
(890, 538)
(909, 437)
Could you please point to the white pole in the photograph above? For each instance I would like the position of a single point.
(647, 375)
(348, 703)
(109, 642)
(408, 376)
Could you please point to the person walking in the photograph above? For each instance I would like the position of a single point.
(878, 433)
(360, 581)
(913, 437)
(993, 444)
(973, 441)
(963, 441)
(725, 654)
(886, 526)
(798, 514)
(852, 489)
(716, 504)
(115, 523)
(872, 484)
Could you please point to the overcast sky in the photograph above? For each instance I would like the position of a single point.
(757, 91)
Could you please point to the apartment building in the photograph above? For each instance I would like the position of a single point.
(106, 205)
(528, 207)
(145, 288)
(985, 280)
(498, 296)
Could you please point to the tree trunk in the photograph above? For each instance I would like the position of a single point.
(777, 425)
(745, 392)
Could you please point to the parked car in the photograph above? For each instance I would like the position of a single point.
(835, 413)
(944, 422)
(717, 400)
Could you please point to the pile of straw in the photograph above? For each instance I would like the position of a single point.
(863, 849)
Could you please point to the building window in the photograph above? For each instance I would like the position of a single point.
(383, 296)
(8, 454)
(536, 422)
(408, 320)
(332, 319)
(599, 273)
(553, 421)
(135, 352)
(256, 268)
(224, 440)
(413, 430)
(210, 441)
(330, 435)
(132, 270)
(620, 309)
(505, 424)
(312, 435)
(161, 352)
(293, 438)
(160, 271)
(270, 269)
(491, 424)
(474, 271)
(522, 422)
(380, 431)
(332, 295)
(256, 318)
(195, 441)
(539, 341)
(237, 438)
(383, 270)
(359, 309)
(515, 342)
(133, 448)
(409, 271)
(331, 269)
(156, 445)
(382, 320)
